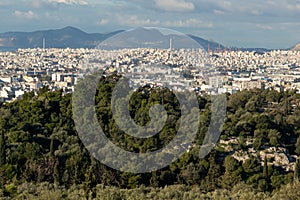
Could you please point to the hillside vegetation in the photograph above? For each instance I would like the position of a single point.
(41, 154)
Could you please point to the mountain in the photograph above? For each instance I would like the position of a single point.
(152, 38)
(76, 38)
(208, 44)
(59, 38)
(296, 47)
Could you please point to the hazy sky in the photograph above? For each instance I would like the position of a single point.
(242, 23)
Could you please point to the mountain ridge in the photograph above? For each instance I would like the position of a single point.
(55, 38)
(68, 36)
(296, 47)
(73, 37)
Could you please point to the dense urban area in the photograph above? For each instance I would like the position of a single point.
(214, 72)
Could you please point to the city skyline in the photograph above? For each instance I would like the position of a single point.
(268, 24)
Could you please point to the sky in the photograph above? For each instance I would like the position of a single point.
(238, 23)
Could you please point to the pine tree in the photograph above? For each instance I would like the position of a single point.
(213, 173)
(90, 181)
(2, 149)
(265, 170)
(52, 147)
(297, 170)
(3, 177)
(265, 182)
(56, 175)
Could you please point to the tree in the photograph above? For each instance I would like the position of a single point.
(257, 143)
(191, 174)
(56, 174)
(298, 146)
(2, 149)
(265, 170)
(3, 177)
(274, 137)
(90, 181)
(52, 147)
(230, 164)
(213, 173)
(251, 165)
(154, 180)
(264, 183)
(167, 178)
(297, 170)
(277, 181)
(232, 174)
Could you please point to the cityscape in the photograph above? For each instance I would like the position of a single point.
(213, 72)
(157, 99)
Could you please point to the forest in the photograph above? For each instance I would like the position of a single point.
(42, 156)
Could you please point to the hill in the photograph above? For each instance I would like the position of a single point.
(296, 47)
(74, 38)
(58, 38)
(40, 146)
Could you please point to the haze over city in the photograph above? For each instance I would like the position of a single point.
(268, 24)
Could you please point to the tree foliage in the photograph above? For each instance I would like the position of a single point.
(39, 143)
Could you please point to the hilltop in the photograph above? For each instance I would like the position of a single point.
(296, 47)
(74, 38)
(57, 38)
